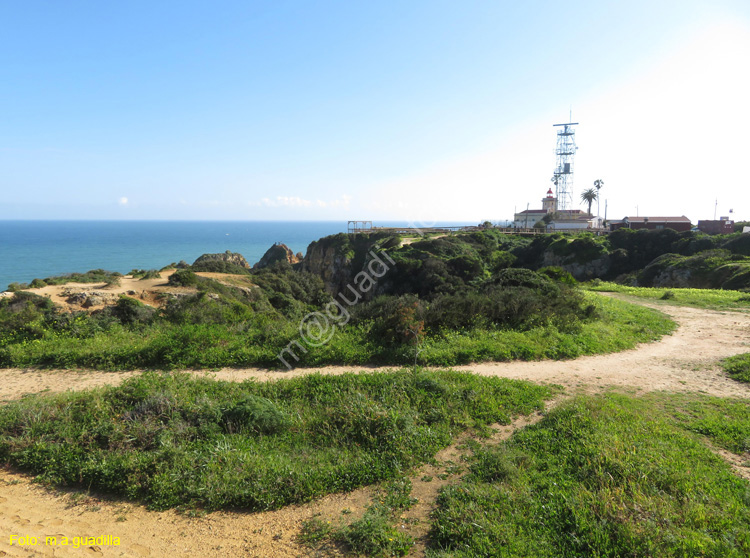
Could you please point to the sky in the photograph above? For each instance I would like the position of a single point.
(424, 110)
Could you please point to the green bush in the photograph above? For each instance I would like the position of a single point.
(256, 415)
(218, 266)
(738, 367)
(92, 276)
(130, 311)
(374, 535)
(15, 287)
(558, 274)
(183, 278)
(144, 274)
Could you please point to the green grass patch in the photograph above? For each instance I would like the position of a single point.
(738, 367)
(617, 326)
(725, 422)
(172, 440)
(376, 533)
(600, 476)
(712, 299)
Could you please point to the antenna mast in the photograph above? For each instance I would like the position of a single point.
(565, 152)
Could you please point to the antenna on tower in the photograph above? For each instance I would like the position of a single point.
(565, 153)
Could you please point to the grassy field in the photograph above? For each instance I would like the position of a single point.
(257, 341)
(173, 440)
(712, 299)
(606, 476)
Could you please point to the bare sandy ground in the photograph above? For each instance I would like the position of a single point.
(684, 361)
(149, 291)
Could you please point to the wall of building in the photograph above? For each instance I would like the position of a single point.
(678, 226)
(716, 227)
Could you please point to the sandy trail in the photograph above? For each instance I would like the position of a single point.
(684, 361)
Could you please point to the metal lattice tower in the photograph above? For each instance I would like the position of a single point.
(563, 177)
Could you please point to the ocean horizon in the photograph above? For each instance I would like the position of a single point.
(32, 249)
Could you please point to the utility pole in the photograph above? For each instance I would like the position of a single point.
(526, 226)
(598, 185)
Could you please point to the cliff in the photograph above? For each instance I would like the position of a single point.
(227, 262)
(279, 252)
(337, 259)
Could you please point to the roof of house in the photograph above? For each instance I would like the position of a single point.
(562, 211)
(576, 220)
(636, 219)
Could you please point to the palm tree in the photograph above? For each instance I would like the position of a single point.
(588, 196)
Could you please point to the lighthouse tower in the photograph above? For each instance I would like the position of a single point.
(549, 204)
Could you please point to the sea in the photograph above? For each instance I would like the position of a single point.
(39, 249)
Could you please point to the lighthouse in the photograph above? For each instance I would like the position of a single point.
(549, 204)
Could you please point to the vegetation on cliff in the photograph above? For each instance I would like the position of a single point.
(442, 302)
(379, 298)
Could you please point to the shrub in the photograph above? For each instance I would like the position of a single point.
(374, 535)
(129, 311)
(558, 274)
(256, 415)
(738, 367)
(183, 278)
(144, 274)
(15, 287)
(218, 266)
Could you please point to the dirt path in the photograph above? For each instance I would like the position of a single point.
(684, 361)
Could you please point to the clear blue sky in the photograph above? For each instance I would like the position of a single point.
(422, 110)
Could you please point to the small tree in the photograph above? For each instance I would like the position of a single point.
(411, 326)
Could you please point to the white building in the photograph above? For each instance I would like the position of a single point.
(563, 220)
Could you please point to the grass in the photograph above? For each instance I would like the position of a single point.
(738, 367)
(618, 326)
(725, 422)
(375, 534)
(712, 299)
(172, 440)
(604, 476)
